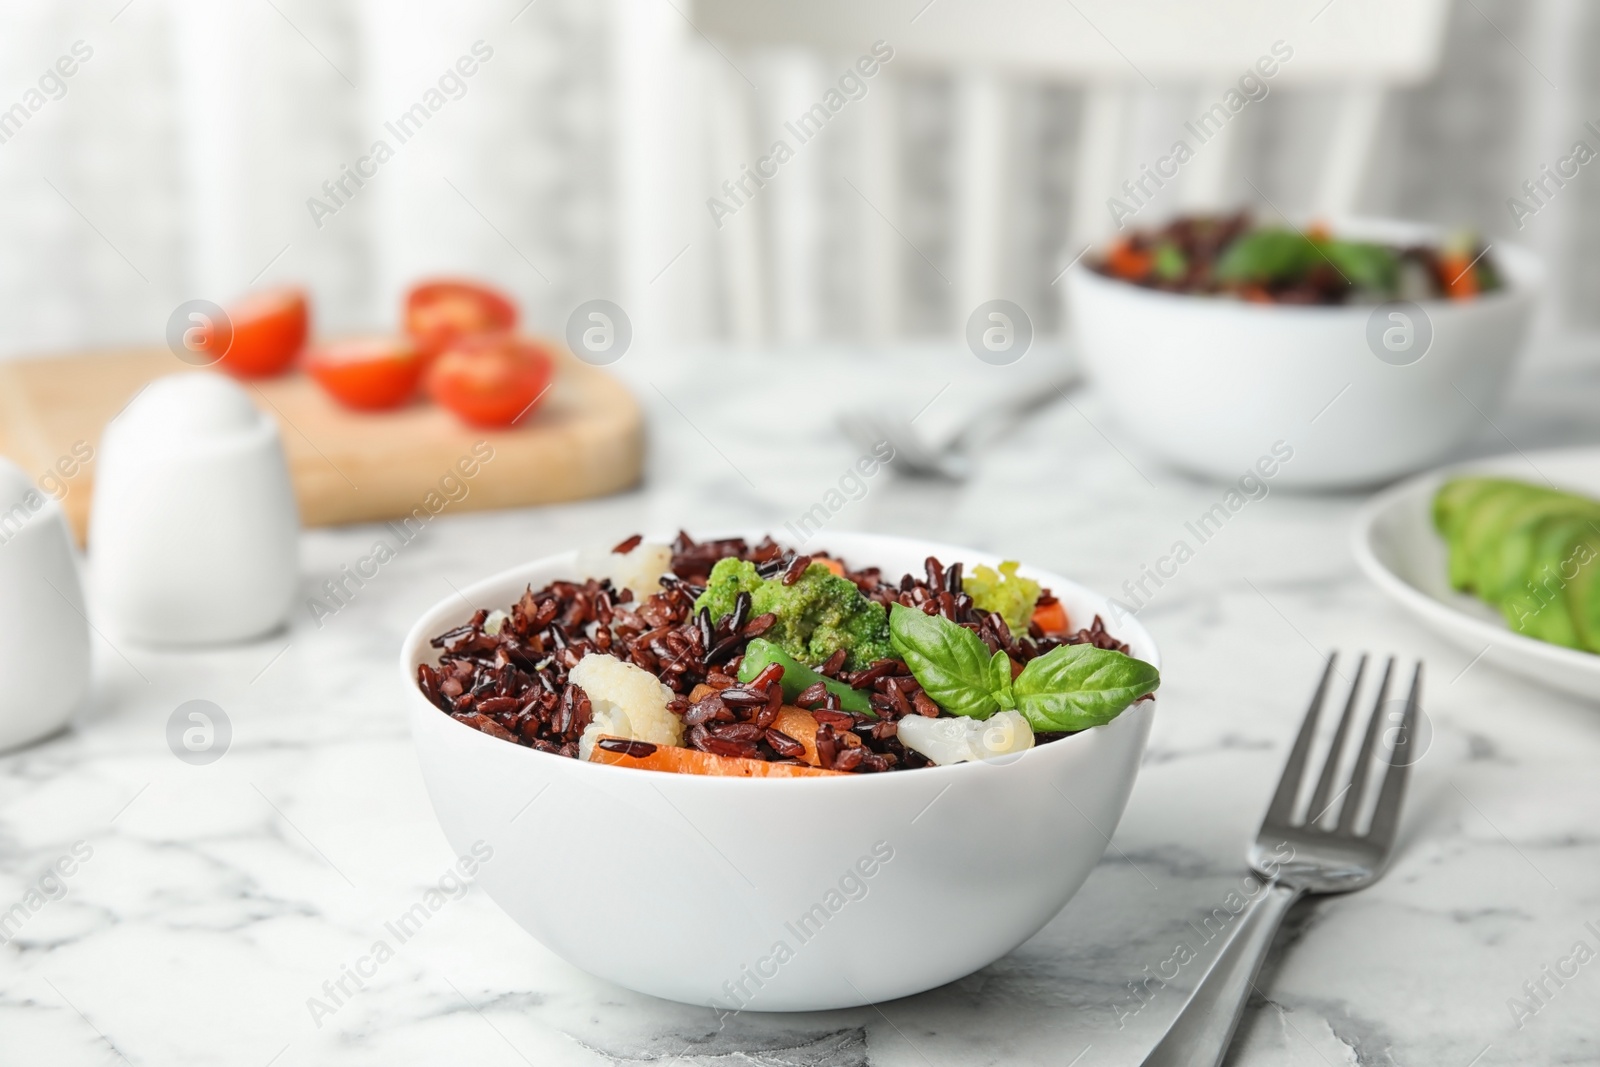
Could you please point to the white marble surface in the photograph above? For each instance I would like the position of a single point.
(218, 899)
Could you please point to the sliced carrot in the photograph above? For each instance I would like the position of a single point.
(1458, 276)
(1128, 262)
(1051, 617)
(693, 761)
(1319, 230)
(795, 722)
(833, 565)
(802, 726)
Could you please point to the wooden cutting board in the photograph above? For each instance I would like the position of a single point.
(586, 438)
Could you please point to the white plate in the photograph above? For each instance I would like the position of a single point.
(1398, 548)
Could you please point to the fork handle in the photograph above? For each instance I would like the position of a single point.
(1200, 1035)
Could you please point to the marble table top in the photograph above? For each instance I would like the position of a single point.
(190, 914)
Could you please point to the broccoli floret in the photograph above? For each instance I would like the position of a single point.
(816, 616)
(728, 579)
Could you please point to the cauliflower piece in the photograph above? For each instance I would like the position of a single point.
(817, 615)
(628, 702)
(959, 739)
(639, 570)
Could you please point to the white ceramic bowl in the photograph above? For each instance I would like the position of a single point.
(778, 895)
(1210, 384)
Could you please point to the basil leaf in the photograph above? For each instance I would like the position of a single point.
(950, 662)
(1074, 687)
(1267, 255)
(1000, 680)
(1366, 266)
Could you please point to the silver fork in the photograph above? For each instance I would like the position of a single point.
(1321, 859)
(920, 453)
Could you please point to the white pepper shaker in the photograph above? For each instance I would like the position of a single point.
(44, 634)
(193, 531)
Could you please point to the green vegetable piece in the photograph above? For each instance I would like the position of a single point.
(951, 663)
(1522, 550)
(1453, 506)
(1074, 687)
(1170, 263)
(729, 578)
(1481, 528)
(1267, 255)
(1499, 521)
(797, 677)
(1281, 255)
(816, 616)
(1539, 606)
(1456, 498)
(1003, 591)
(1583, 593)
(1366, 266)
(1529, 551)
(1000, 680)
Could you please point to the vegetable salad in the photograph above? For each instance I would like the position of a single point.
(1230, 256)
(732, 659)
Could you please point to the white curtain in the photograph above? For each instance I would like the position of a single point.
(182, 156)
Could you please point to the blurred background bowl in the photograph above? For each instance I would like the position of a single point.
(1211, 384)
(683, 886)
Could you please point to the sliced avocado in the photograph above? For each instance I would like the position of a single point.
(1521, 549)
(1455, 498)
(1538, 604)
(1583, 592)
(1480, 527)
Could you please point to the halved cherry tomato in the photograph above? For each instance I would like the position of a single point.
(439, 312)
(269, 329)
(491, 380)
(367, 373)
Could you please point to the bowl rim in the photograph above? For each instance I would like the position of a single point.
(1524, 272)
(415, 649)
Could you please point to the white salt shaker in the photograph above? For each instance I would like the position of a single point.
(193, 532)
(44, 635)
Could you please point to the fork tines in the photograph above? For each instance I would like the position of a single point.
(1285, 810)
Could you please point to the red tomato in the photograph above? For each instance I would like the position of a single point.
(439, 312)
(491, 380)
(367, 373)
(269, 329)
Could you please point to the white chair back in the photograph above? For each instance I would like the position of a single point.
(1115, 49)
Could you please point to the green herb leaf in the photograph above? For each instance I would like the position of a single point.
(1366, 266)
(1267, 255)
(1074, 687)
(950, 662)
(1000, 680)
